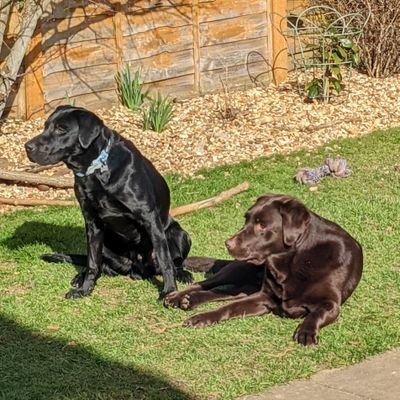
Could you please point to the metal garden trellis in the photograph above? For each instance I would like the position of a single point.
(311, 35)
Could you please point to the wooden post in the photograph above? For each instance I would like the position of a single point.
(279, 54)
(33, 80)
(196, 44)
(117, 20)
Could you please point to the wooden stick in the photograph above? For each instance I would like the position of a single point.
(34, 179)
(174, 212)
(37, 202)
(39, 168)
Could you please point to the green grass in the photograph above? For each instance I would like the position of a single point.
(120, 343)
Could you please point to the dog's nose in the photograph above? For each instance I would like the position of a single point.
(29, 146)
(229, 244)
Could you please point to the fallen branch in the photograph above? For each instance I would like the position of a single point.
(312, 128)
(209, 202)
(174, 211)
(34, 179)
(39, 168)
(37, 202)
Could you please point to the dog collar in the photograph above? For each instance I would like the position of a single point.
(100, 163)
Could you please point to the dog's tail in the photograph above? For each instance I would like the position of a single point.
(76, 259)
(205, 264)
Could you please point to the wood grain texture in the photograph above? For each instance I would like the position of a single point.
(181, 46)
(79, 55)
(182, 86)
(92, 101)
(173, 17)
(238, 76)
(164, 65)
(230, 54)
(225, 9)
(233, 29)
(78, 29)
(61, 85)
(157, 41)
(34, 87)
(279, 55)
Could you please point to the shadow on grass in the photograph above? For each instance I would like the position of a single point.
(60, 238)
(33, 366)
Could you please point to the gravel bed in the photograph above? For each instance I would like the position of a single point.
(267, 121)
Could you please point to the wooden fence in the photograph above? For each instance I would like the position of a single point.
(183, 48)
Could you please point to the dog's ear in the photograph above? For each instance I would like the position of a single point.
(90, 127)
(295, 220)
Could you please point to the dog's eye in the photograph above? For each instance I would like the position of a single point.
(260, 223)
(60, 130)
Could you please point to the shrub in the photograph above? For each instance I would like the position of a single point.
(158, 114)
(334, 53)
(380, 42)
(130, 88)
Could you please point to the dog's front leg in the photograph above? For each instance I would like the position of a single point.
(250, 306)
(323, 314)
(161, 251)
(95, 241)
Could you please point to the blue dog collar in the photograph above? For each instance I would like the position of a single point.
(100, 163)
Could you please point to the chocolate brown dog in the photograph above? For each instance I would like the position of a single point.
(288, 261)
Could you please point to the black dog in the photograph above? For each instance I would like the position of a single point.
(124, 200)
(131, 259)
(289, 261)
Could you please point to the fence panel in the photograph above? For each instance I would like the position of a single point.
(182, 47)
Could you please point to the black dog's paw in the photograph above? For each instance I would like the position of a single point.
(306, 336)
(163, 294)
(184, 276)
(135, 276)
(77, 293)
(77, 280)
(178, 300)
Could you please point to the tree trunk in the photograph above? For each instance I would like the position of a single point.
(5, 8)
(33, 10)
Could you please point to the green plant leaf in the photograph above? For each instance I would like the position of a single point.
(313, 88)
(342, 52)
(346, 43)
(336, 84)
(158, 114)
(336, 58)
(130, 88)
(356, 59)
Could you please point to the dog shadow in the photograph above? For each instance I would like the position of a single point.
(36, 366)
(60, 238)
(65, 239)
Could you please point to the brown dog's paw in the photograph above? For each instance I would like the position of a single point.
(199, 321)
(306, 336)
(177, 300)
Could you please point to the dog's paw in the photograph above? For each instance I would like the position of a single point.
(135, 276)
(178, 300)
(77, 280)
(77, 293)
(199, 321)
(306, 336)
(184, 276)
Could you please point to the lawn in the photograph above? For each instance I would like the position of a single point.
(120, 343)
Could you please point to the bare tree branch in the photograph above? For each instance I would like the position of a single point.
(33, 10)
(5, 10)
